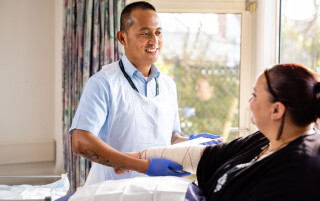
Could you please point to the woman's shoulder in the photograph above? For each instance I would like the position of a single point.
(308, 153)
(308, 144)
(311, 147)
(304, 154)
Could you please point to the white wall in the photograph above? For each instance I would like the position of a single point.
(30, 85)
(58, 40)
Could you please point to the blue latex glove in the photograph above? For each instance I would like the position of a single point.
(211, 142)
(164, 167)
(206, 135)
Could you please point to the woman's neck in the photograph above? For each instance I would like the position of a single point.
(289, 134)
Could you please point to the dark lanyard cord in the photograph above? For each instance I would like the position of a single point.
(131, 82)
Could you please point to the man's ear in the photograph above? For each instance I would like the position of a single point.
(121, 37)
(278, 110)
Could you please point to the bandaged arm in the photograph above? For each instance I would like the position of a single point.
(186, 155)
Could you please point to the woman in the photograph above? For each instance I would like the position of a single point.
(282, 160)
(279, 162)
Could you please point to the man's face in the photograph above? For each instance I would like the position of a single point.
(143, 39)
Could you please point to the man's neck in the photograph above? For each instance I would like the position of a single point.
(142, 67)
(144, 70)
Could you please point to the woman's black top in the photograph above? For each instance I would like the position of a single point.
(226, 171)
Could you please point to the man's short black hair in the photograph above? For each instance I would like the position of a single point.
(125, 20)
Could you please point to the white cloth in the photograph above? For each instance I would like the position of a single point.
(123, 118)
(54, 190)
(135, 189)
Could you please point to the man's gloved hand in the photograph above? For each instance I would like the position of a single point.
(164, 167)
(217, 139)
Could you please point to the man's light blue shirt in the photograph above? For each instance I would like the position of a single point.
(92, 112)
(123, 118)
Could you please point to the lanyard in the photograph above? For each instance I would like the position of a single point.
(131, 82)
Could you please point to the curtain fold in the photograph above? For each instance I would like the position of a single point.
(89, 42)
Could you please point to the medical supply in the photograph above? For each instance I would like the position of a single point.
(187, 154)
(133, 189)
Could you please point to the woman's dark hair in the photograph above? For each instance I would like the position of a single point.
(298, 88)
(125, 19)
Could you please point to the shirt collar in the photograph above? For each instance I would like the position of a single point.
(154, 71)
(131, 70)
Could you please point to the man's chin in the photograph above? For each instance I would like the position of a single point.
(153, 59)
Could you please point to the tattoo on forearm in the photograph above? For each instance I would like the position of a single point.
(174, 137)
(93, 156)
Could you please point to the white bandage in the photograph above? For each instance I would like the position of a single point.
(184, 154)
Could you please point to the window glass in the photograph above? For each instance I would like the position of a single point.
(300, 33)
(201, 52)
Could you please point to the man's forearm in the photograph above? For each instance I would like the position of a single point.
(92, 148)
(95, 157)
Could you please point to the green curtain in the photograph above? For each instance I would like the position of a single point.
(89, 42)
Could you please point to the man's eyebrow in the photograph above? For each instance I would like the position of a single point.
(147, 28)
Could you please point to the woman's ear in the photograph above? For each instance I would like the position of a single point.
(278, 110)
(121, 37)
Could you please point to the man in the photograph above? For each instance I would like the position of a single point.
(128, 105)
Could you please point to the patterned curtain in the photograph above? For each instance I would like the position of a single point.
(89, 42)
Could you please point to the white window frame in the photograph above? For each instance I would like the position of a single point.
(265, 49)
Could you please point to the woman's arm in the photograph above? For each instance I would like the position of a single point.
(186, 155)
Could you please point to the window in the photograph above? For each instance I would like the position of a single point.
(300, 33)
(201, 53)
